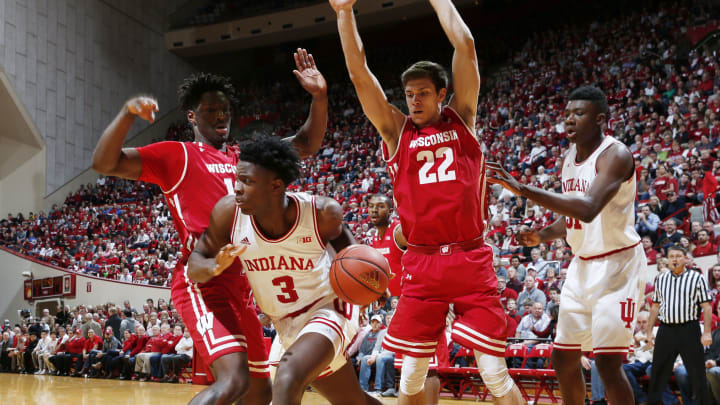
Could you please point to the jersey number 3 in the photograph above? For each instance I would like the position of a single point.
(443, 174)
(572, 223)
(287, 286)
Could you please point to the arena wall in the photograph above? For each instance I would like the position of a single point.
(89, 290)
(156, 131)
(74, 62)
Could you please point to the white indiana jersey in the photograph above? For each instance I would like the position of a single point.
(614, 227)
(287, 274)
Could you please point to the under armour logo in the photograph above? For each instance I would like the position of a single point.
(627, 312)
(444, 250)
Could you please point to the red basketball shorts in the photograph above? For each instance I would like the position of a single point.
(219, 318)
(441, 358)
(431, 283)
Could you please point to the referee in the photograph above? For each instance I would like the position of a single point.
(677, 296)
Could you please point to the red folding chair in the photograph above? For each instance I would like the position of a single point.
(545, 376)
(516, 350)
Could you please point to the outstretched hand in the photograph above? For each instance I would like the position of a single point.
(338, 5)
(496, 174)
(226, 256)
(308, 74)
(144, 107)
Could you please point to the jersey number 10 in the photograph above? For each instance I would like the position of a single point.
(572, 223)
(443, 174)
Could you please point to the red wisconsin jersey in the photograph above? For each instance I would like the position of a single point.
(193, 176)
(438, 175)
(393, 254)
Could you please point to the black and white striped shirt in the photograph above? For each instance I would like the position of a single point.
(680, 296)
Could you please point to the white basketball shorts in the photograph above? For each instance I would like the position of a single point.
(600, 301)
(323, 318)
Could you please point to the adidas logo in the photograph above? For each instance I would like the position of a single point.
(245, 241)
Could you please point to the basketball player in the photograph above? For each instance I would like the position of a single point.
(604, 284)
(282, 240)
(194, 176)
(380, 208)
(438, 176)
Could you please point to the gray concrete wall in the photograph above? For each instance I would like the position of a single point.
(101, 291)
(74, 62)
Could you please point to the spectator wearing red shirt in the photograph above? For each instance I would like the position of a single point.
(704, 247)
(505, 293)
(153, 346)
(73, 349)
(664, 183)
(129, 358)
(169, 339)
(714, 282)
(110, 363)
(92, 343)
(650, 252)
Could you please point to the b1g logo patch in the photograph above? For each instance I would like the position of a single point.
(627, 312)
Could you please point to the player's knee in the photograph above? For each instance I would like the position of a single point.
(412, 375)
(562, 359)
(494, 373)
(232, 386)
(231, 379)
(287, 381)
(608, 365)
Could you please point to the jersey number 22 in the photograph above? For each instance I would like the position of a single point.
(443, 174)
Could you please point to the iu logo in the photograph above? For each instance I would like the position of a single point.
(304, 239)
(627, 312)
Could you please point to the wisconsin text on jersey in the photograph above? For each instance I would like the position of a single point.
(580, 185)
(282, 263)
(434, 139)
(221, 168)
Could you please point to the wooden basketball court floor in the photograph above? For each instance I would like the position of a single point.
(19, 389)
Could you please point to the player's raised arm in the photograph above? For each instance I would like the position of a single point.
(109, 157)
(386, 118)
(309, 137)
(330, 224)
(213, 252)
(465, 72)
(615, 165)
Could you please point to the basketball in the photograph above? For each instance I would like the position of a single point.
(359, 274)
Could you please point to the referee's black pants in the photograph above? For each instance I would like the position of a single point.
(671, 340)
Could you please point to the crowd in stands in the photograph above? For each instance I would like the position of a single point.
(106, 341)
(115, 229)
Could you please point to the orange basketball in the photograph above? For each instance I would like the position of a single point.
(359, 274)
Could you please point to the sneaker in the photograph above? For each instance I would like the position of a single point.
(390, 392)
(376, 394)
